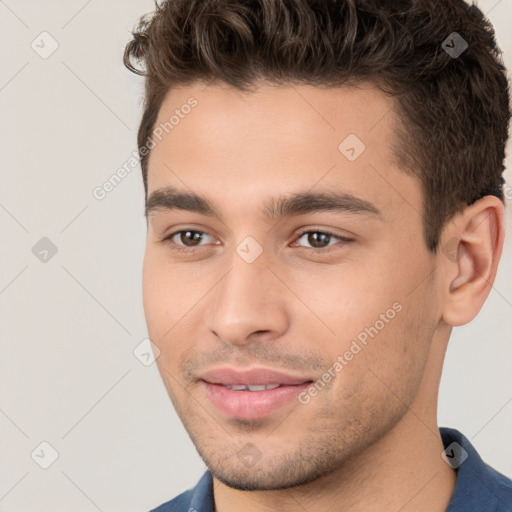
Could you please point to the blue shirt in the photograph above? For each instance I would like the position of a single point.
(479, 488)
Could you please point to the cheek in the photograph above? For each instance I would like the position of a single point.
(162, 294)
(170, 293)
(394, 360)
(369, 314)
(165, 287)
(347, 299)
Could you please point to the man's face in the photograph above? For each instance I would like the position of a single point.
(254, 292)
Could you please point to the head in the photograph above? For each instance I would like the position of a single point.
(335, 169)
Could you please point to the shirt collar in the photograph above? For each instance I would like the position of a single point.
(476, 481)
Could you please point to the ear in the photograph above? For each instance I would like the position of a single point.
(471, 248)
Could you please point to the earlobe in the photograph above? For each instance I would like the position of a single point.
(475, 238)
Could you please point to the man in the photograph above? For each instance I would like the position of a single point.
(324, 203)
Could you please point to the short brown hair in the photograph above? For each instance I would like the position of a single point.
(454, 111)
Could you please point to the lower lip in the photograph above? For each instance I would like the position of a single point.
(251, 405)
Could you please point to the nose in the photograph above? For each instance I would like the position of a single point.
(249, 304)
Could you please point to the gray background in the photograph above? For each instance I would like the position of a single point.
(69, 326)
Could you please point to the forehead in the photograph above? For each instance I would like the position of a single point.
(280, 117)
(214, 139)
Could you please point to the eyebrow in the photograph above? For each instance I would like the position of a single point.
(300, 203)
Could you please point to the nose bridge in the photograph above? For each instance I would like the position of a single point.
(246, 301)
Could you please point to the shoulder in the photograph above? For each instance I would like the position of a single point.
(179, 504)
(478, 486)
(502, 490)
(197, 498)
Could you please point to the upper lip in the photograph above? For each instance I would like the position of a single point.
(251, 377)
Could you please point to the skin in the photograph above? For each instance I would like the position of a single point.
(368, 441)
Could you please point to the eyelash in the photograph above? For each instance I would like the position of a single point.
(180, 248)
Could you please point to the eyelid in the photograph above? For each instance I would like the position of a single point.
(323, 231)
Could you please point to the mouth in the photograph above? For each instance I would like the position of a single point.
(251, 377)
(248, 387)
(251, 394)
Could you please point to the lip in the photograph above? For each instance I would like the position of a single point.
(252, 377)
(251, 405)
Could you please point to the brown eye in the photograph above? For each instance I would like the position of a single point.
(321, 239)
(185, 239)
(189, 238)
(317, 239)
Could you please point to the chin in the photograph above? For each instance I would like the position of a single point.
(291, 474)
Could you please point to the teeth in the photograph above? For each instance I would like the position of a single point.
(237, 387)
(261, 388)
(244, 387)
